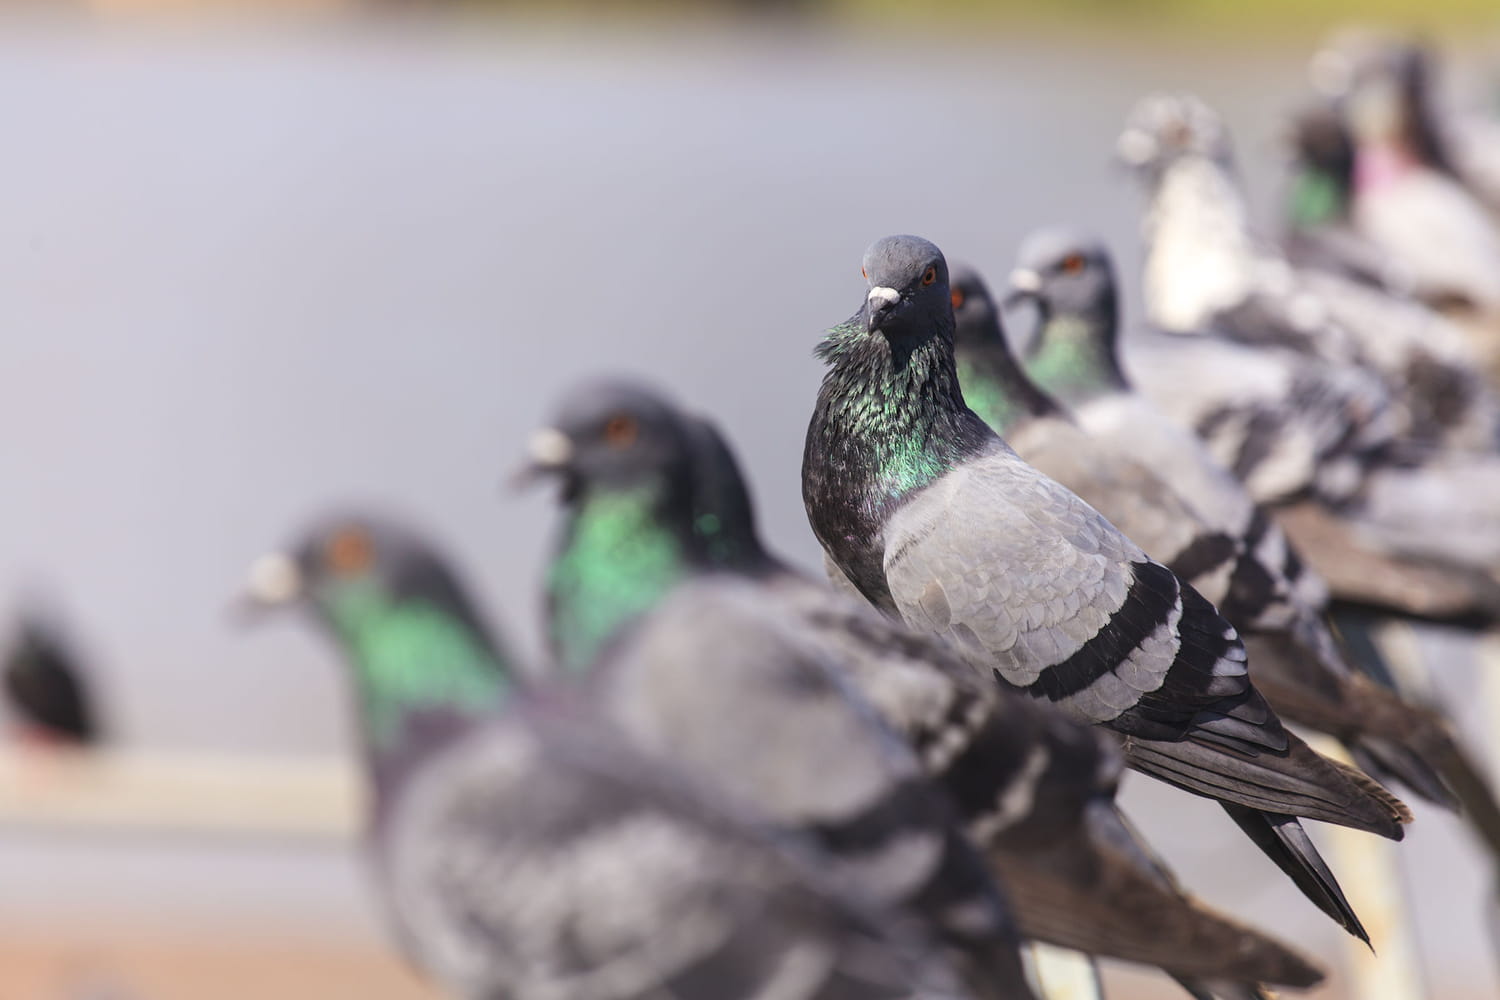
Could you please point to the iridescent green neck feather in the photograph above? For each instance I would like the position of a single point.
(619, 558)
(1073, 358)
(993, 384)
(411, 656)
(1316, 198)
(895, 408)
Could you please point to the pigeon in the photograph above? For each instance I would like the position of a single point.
(1033, 790)
(47, 688)
(606, 874)
(936, 520)
(1279, 606)
(1406, 194)
(1320, 233)
(707, 672)
(1206, 272)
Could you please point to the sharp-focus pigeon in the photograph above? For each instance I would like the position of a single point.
(935, 519)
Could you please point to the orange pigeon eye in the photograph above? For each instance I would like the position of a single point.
(958, 298)
(621, 431)
(929, 276)
(349, 552)
(1073, 263)
(862, 274)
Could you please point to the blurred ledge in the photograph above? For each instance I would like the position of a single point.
(179, 793)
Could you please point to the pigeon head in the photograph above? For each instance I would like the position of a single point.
(349, 554)
(908, 286)
(1069, 277)
(625, 457)
(974, 309)
(611, 435)
(1063, 272)
(1165, 128)
(424, 664)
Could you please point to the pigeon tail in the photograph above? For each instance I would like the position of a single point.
(1285, 842)
(1300, 782)
(1092, 891)
(1388, 737)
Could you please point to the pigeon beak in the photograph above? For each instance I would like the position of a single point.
(879, 305)
(549, 453)
(1135, 148)
(274, 581)
(1025, 286)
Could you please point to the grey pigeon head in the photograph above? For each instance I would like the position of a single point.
(974, 308)
(352, 552)
(1163, 129)
(1065, 272)
(611, 434)
(908, 286)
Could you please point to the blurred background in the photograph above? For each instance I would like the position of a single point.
(260, 261)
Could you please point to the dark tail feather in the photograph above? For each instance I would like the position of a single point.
(1284, 841)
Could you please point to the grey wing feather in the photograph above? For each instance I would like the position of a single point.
(1027, 580)
(1137, 500)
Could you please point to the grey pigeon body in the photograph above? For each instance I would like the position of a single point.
(935, 519)
(530, 863)
(526, 851)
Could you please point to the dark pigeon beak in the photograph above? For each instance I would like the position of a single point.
(1025, 286)
(548, 454)
(274, 581)
(879, 306)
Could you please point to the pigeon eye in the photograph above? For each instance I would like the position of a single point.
(1072, 264)
(958, 298)
(349, 552)
(862, 274)
(929, 276)
(621, 431)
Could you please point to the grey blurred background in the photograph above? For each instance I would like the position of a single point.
(252, 267)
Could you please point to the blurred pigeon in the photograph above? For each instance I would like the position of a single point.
(708, 672)
(935, 519)
(1406, 194)
(1034, 790)
(605, 873)
(1207, 273)
(47, 687)
(1278, 605)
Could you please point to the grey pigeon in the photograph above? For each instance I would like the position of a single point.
(527, 852)
(936, 520)
(701, 668)
(1206, 271)
(1034, 790)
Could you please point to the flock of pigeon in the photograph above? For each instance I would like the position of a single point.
(737, 781)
